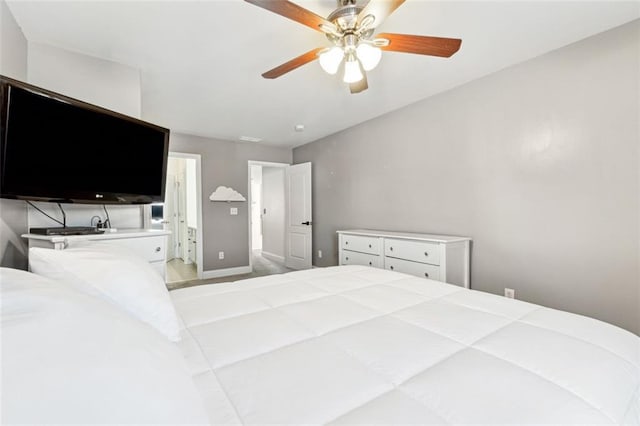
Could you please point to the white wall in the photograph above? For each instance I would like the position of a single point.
(538, 163)
(273, 222)
(97, 81)
(13, 213)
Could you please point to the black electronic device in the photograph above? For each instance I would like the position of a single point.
(67, 230)
(59, 149)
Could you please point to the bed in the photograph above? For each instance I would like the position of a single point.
(354, 344)
(334, 345)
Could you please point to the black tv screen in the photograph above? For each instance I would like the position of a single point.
(55, 148)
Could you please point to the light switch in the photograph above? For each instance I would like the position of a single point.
(234, 211)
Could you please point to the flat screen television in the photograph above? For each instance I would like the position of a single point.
(55, 148)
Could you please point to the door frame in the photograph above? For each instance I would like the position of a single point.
(199, 239)
(250, 197)
(168, 224)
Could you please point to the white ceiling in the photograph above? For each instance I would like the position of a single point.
(201, 61)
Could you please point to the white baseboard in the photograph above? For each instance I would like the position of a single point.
(227, 272)
(273, 257)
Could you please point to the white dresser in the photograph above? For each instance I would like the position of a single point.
(438, 257)
(150, 244)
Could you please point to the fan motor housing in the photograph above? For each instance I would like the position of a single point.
(345, 17)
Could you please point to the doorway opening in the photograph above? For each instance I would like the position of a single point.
(267, 217)
(280, 223)
(181, 213)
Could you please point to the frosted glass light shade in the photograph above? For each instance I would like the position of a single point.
(369, 56)
(352, 71)
(330, 60)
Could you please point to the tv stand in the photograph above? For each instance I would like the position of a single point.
(67, 230)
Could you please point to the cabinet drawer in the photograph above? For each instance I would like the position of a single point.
(354, 258)
(413, 268)
(417, 251)
(150, 249)
(361, 244)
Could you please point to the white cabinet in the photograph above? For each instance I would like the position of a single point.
(437, 257)
(150, 244)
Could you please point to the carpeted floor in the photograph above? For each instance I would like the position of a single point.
(261, 267)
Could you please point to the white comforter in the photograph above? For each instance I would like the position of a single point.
(361, 345)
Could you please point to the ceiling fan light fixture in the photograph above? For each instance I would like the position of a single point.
(330, 59)
(351, 28)
(352, 72)
(368, 55)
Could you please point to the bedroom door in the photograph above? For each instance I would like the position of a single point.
(299, 224)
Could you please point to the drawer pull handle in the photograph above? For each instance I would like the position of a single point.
(426, 274)
(158, 249)
(369, 245)
(426, 253)
(390, 248)
(391, 267)
(346, 243)
(370, 263)
(347, 258)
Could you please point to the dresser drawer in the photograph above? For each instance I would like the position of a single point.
(422, 270)
(361, 244)
(417, 251)
(356, 258)
(150, 249)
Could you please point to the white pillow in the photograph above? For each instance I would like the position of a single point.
(117, 275)
(69, 358)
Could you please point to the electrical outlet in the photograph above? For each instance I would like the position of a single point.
(233, 211)
(221, 255)
(509, 293)
(319, 254)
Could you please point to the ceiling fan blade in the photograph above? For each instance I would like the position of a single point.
(379, 10)
(291, 65)
(359, 86)
(421, 45)
(294, 12)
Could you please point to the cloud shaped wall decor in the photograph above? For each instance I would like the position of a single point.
(223, 193)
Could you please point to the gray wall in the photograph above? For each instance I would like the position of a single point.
(97, 81)
(13, 213)
(273, 229)
(13, 46)
(538, 163)
(225, 163)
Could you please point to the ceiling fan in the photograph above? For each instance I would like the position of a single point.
(351, 28)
